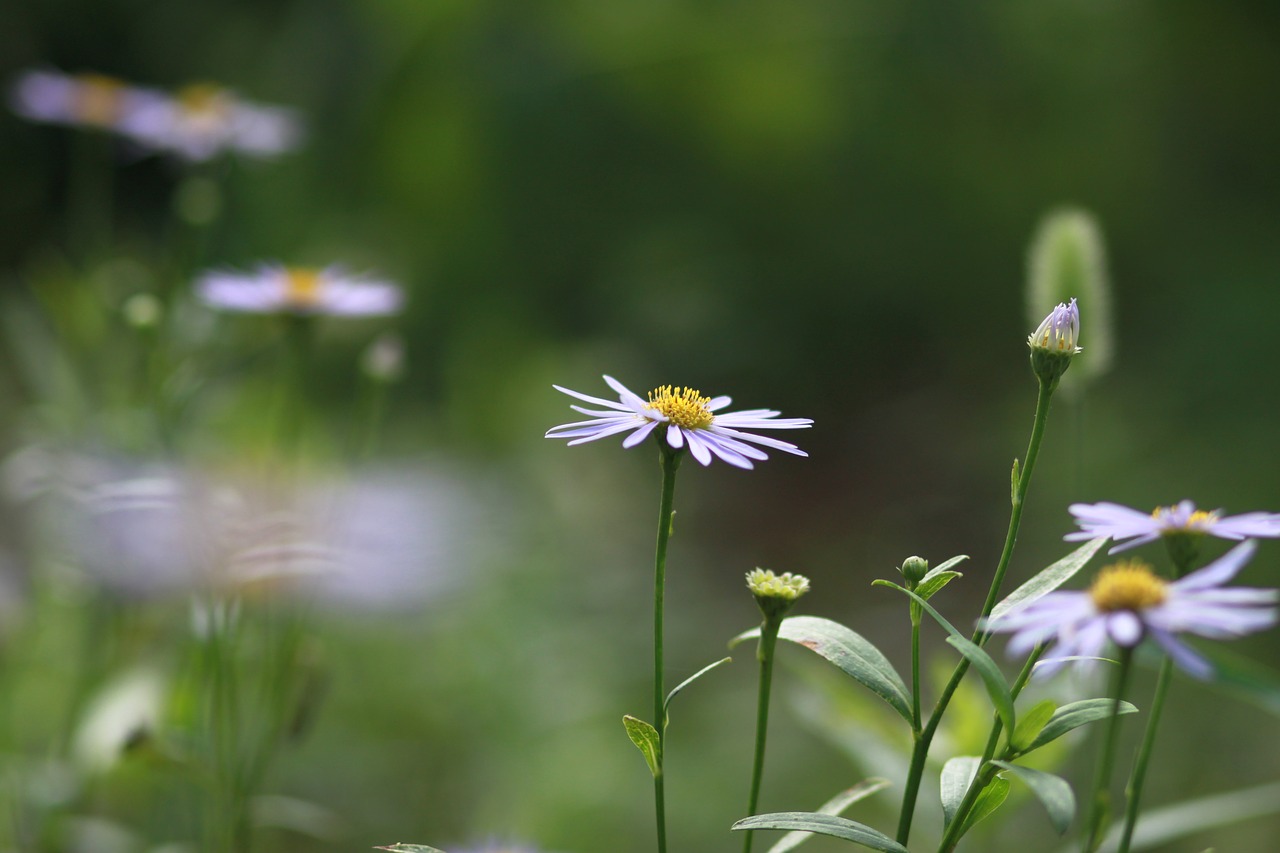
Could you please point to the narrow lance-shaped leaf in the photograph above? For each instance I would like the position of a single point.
(833, 806)
(1049, 579)
(849, 651)
(957, 775)
(1031, 723)
(1076, 714)
(991, 798)
(682, 685)
(1052, 791)
(823, 824)
(646, 739)
(992, 677)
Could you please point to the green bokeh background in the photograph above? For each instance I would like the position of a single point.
(818, 206)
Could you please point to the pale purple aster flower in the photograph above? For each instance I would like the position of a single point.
(1059, 331)
(1129, 602)
(84, 100)
(1122, 523)
(689, 419)
(272, 289)
(203, 120)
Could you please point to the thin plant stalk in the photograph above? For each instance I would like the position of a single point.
(1133, 794)
(1100, 801)
(764, 653)
(670, 463)
(924, 738)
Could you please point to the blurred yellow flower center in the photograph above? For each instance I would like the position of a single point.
(97, 100)
(302, 287)
(204, 100)
(684, 407)
(1197, 522)
(1130, 585)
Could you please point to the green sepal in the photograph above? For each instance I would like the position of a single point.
(848, 650)
(992, 677)
(682, 685)
(823, 824)
(1031, 723)
(646, 739)
(833, 806)
(1052, 791)
(1076, 714)
(1049, 579)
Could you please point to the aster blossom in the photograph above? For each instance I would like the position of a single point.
(1128, 602)
(1131, 527)
(273, 289)
(683, 417)
(1059, 331)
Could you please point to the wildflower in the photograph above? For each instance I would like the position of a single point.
(690, 419)
(203, 120)
(298, 290)
(86, 100)
(1128, 602)
(763, 583)
(1122, 523)
(1053, 343)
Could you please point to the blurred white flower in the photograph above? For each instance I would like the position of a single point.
(124, 713)
(273, 288)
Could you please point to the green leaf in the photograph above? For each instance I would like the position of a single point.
(833, 806)
(928, 587)
(823, 824)
(944, 566)
(849, 651)
(1049, 579)
(682, 685)
(992, 677)
(957, 776)
(1052, 791)
(1013, 483)
(1076, 714)
(991, 798)
(1031, 723)
(645, 737)
(410, 848)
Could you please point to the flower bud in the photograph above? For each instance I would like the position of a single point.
(775, 594)
(1068, 258)
(914, 569)
(1053, 343)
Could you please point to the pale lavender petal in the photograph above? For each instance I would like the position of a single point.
(1219, 571)
(563, 430)
(1189, 661)
(1125, 628)
(718, 403)
(625, 394)
(739, 447)
(745, 420)
(717, 445)
(1249, 524)
(699, 450)
(784, 446)
(611, 404)
(1132, 543)
(675, 437)
(602, 433)
(640, 434)
(1110, 519)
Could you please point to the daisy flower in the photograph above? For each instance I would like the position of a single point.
(201, 121)
(1129, 602)
(1059, 331)
(272, 289)
(1122, 523)
(84, 100)
(686, 417)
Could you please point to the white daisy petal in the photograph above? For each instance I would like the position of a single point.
(640, 435)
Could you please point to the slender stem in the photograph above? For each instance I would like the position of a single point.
(921, 750)
(764, 653)
(1139, 776)
(670, 463)
(916, 612)
(1101, 800)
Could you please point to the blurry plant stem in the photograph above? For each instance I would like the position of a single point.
(92, 193)
(1099, 802)
(369, 426)
(924, 738)
(670, 463)
(764, 653)
(1137, 778)
(227, 820)
(987, 771)
(295, 378)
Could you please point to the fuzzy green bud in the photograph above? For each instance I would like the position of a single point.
(913, 569)
(775, 594)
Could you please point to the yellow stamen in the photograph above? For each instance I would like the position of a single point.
(97, 100)
(684, 407)
(1129, 585)
(204, 99)
(302, 287)
(1198, 522)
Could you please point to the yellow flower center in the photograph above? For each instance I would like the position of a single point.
(97, 100)
(1129, 585)
(1198, 522)
(684, 407)
(302, 287)
(204, 100)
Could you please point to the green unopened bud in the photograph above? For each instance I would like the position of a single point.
(775, 594)
(142, 311)
(1068, 258)
(914, 569)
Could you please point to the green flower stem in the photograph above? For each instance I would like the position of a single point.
(1183, 558)
(670, 463)
(1100, 802)
(1134, 793)
(920, 752)
(983, 778)
(764, 653)
(916, 613)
